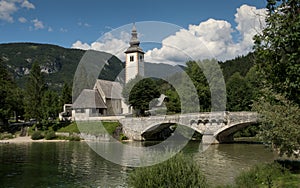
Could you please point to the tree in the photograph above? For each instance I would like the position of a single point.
(34, 92)
(6, 91)
(279, 122)
(277, 52)
(50, 105)
(141, 94)
(200, 82)
(239, 93)
(66, 95)
(277, 48)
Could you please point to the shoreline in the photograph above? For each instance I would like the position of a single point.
(27, 139)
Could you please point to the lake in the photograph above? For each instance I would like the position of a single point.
(75, 164)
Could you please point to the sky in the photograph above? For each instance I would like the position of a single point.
(225, 28)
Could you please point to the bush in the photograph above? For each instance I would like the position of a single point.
(74, 138)
(123, 137)
(50, 135)
(179, 171)
(37, 135)
(5, 136)
(265, 174)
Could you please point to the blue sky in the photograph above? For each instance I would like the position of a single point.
(63, 22)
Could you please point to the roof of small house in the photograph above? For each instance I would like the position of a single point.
(89, 99)
(111, 90)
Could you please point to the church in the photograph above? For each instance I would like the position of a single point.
(105, 99)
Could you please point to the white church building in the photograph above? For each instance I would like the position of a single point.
(105, 99)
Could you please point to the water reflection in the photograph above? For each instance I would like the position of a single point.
(74, 164)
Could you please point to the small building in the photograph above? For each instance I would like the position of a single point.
(104, 99)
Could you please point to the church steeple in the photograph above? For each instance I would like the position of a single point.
(134, 57)
(134, 42)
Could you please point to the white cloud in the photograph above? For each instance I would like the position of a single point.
(38, 24)
(27, 4)
(7, 8)
(22, 20)
(210, 39)
(63, 30)
(115, 45)
(79, 45)
(83, 24)
(50, 29)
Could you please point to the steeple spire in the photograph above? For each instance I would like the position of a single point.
(134, 42)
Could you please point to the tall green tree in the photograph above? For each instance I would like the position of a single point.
(277, 48)
(141, 94)
(66, 95)
(239, 93)
(34, 93)
(6, 91)
(50, 105)
(278, 59)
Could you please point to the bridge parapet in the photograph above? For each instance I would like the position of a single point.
(210, 123)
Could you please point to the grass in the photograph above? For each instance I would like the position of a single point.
(267, 175)
(71, 128)
(179, 171)
(95, 127)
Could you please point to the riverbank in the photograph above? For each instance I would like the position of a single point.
(27, 139)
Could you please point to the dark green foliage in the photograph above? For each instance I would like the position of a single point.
(178, 172)
(277, 52)
(241, 64)
(201, 84)
(6, 91)
(278, 48)
(123, 137)
(60, 62)
(141, 93)
(66, 95)
(50, 105)
(263, 174)
(5, 136)
(34, 93)
(74, 138)
(50, 135)
(37, 135)
(279, 122)
(239, 93)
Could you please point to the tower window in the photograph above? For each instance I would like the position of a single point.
(131, 58)
(141, 57)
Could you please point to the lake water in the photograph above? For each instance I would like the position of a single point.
(74, 164)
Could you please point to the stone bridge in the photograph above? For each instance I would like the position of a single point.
(216, 127)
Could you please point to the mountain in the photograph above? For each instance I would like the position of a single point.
(59, 64)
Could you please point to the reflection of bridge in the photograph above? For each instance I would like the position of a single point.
(215, 127)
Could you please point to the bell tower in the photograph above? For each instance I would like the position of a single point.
(134, 58)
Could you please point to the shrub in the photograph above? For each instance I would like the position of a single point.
(5, 136)
(37, 135)
(50, 135)
(265, 174)
(123, 137)
(74, 138)
(179, 171)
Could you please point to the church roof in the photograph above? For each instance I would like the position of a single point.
(111, 90)
(89, 99)
(134, 42)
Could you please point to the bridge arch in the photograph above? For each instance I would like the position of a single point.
(225, 134)
(151, 131)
